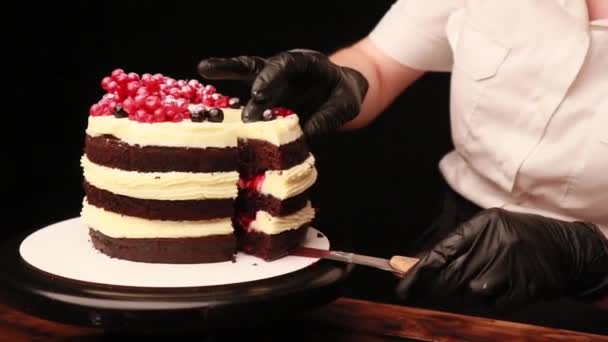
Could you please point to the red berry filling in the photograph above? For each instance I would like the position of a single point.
(253, 183)
(245, 221)
(282, 111)
(154, 98)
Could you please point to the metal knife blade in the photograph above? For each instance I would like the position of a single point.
(347, 257)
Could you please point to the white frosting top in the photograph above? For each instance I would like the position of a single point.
(266, 223)
(288, 183)
(280, 131)
(161, 185)
(121, 226)
(186, 133)
(173, 134)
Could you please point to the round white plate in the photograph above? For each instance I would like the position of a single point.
(64, 249)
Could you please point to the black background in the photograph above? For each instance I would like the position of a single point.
(379, 187)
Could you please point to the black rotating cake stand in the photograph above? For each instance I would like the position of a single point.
(120, 308)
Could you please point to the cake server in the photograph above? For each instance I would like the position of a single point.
(396, 264)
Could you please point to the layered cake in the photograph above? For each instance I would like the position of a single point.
(172, 174)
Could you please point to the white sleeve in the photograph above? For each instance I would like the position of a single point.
(413, 32)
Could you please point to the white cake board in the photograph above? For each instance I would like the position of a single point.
(64, 249)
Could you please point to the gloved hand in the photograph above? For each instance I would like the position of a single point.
(324, 95)
(511, 259)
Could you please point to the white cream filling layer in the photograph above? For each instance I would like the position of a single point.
(266, 223)
(288, 183)
(121, 226)
(174, 134)
(280, 131)
(161, 185)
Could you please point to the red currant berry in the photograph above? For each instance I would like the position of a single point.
(159, 114)
(177, 117)
(121, 79)
(117, 72)
(129, 105)
(174, 91)
(139, 101)
(152, 102)
(105, 81)
(96, 110)
(132, 77)
(132, 88)
(170, 82)
(187, 91)
(222, 102)
(112, 87)
(140, 115)
(209, 89)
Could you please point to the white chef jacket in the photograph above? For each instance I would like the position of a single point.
(529, 98)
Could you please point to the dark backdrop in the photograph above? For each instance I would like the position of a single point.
(378, 187)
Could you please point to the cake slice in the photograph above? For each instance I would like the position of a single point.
(276, 172)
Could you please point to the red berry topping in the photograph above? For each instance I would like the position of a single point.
(96, 110)
(121, 78)
(282, 111)
(117, 72)
(152, 102)
(129, 105)
(132, 77)
(105, 81)
(159, 114)
(132, 88)
(112, 87)
(222, 101)
(158, 98)
(208, 90)
(139, 101)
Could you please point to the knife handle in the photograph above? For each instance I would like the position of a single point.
(402, 263)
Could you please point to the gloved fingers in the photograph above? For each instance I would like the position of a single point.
(235, 68)
(417, 275)
(456, 244)
(491, 282)
(451, 279)
(271, 88)
(331, 115)
(425, 273)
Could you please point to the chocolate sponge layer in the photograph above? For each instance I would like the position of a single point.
(213, 248)
(111, 152)
(186, 210)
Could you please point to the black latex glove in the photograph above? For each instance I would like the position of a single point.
(324, 95)
(511, 259)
